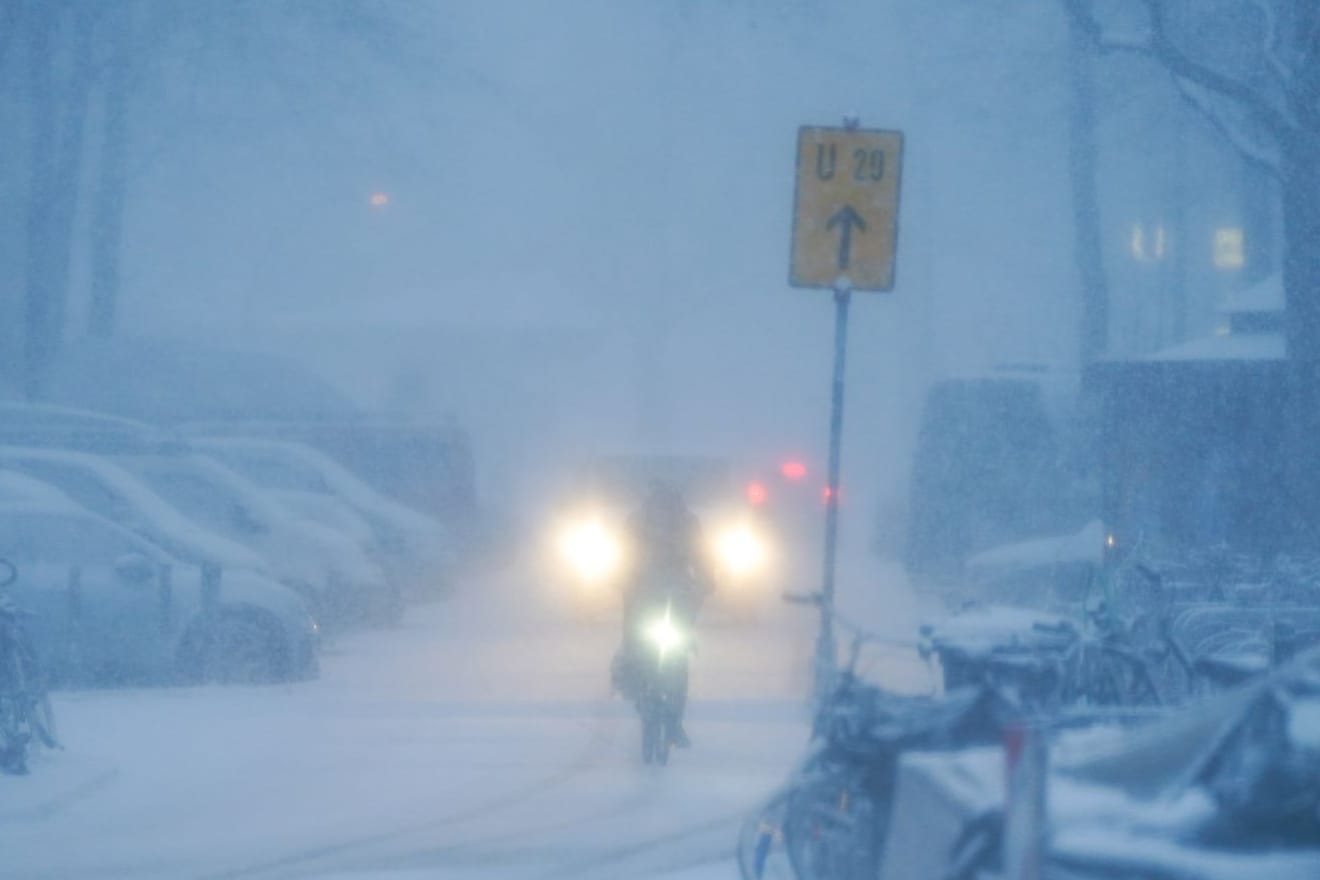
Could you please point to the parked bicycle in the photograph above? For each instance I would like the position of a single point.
(829, 822)
(25, 713)
(831, 819)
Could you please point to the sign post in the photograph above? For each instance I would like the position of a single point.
(1026, 816)
(845, 235)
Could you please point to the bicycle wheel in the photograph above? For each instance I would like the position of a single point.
(15, 731)
(1171, 672)
(833, 830)
(33, 695)
(13, 741)
(761, 852)
(663, 740)
(650, 735)
(1128, 681)
(1103, 675)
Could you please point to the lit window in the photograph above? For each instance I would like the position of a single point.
(1230, 249)
(1148, 245)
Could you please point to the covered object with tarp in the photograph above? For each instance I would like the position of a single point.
(1227, 788)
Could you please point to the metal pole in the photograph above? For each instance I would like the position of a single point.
(825, 649)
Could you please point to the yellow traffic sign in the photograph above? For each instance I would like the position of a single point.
(845, 215)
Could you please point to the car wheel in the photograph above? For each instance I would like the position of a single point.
(236, 648)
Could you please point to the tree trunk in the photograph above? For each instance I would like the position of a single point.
(1174, 329)
(1088, 243)
(1301, 283)
(42, 258)
(58, 115)
(58, 112)
(109, 197)
(10, 14)
(71, 114)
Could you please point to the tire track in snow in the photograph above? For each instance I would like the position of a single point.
(667, 852)
(58, 804)
(535, 850)
(601, 736)
(486, 850)
(703, 843)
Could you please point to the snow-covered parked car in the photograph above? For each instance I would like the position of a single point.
(110, 491)
(39, 424)
(105, 605)
(16, 488)
(330, 571)
(416, 549)
(328, 511)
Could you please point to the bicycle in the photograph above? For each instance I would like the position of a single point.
(25, 712)
(830, 820)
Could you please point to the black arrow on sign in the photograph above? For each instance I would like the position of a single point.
(846, 218)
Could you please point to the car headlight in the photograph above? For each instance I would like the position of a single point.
(591, 550)
(742, 551)
(665, 634)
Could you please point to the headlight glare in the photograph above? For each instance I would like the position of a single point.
(590, 550)
(665, 635)
(742, 551)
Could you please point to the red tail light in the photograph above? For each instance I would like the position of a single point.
(793, 470)
(756, 493)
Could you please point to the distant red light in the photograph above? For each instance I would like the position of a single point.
(793, 470)
(826, 494)
(756, 493)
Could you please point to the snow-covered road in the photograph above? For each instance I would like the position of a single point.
(477, 739)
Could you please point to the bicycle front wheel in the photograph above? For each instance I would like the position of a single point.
(834, 830)
(761, 841)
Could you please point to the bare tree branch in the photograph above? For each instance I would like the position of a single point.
(1273, 38)
(1253, 152)
(1158, 45)
(1080, 12)
(1306, 40)
(1182, 65)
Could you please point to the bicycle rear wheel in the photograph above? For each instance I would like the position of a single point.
(761, 852)
(34, 695)
(833, 830)
(656, 737)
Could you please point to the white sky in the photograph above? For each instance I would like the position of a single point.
(624, 171)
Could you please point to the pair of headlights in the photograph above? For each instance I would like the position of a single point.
(594, 552)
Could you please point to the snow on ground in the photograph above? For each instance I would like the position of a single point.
(477, 739)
